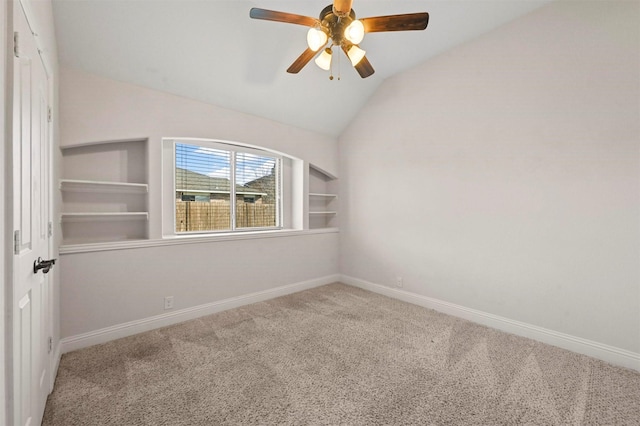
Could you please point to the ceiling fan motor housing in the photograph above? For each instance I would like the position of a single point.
(335, 25)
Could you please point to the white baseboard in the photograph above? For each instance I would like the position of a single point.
(107, 334)
(610, 354)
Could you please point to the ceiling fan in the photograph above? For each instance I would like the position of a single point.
(338, 26)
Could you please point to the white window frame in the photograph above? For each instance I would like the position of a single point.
(233, 148)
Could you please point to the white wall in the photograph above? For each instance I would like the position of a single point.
(503, 175)
(106, 288)
(98, 109)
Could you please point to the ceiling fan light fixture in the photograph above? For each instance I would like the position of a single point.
(324, 60)
(355, 55)
(316, 38)
(354, 32)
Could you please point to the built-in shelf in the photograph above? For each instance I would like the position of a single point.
(102, 216)
(317, 194)
(76, 185)
(105, 191)
(100, 244)
(323, 199)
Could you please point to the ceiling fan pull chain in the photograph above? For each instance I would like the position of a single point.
(331, 70)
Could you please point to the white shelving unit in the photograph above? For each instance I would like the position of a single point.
(316, 194)
(77, 185)
(323, 199)
(104, 216)
(104, 192)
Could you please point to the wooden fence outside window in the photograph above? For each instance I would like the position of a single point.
(216, 216)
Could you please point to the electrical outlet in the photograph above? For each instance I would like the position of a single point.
(168, 302)
(399, 282)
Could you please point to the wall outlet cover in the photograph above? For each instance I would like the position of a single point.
(168, 302)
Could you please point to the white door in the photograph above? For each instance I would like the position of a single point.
(31, 298)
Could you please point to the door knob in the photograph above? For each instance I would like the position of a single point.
(45, 265)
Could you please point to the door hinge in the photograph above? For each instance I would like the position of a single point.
(49, 114)
(50, 345)
(16, 48)
(16, 242)
(50, 229)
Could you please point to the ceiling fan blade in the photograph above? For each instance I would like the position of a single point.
(363, 67)
(302, 60)
(290, 18)
(406, 22)
(342, 7)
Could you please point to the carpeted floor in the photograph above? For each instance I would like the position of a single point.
(337, 355)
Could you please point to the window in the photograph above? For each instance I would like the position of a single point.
(222, 187)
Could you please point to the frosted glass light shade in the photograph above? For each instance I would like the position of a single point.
(316, 38)
(324, 60)
(355, 55)
(354, 32)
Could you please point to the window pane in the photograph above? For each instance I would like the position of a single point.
(256, 191)
(203, 177)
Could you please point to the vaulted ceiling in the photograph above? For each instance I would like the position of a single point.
(210, 50)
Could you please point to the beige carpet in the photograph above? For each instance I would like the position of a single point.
(337, 355)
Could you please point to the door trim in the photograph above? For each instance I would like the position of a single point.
(6, 254)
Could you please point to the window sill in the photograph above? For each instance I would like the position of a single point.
(190, 239)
